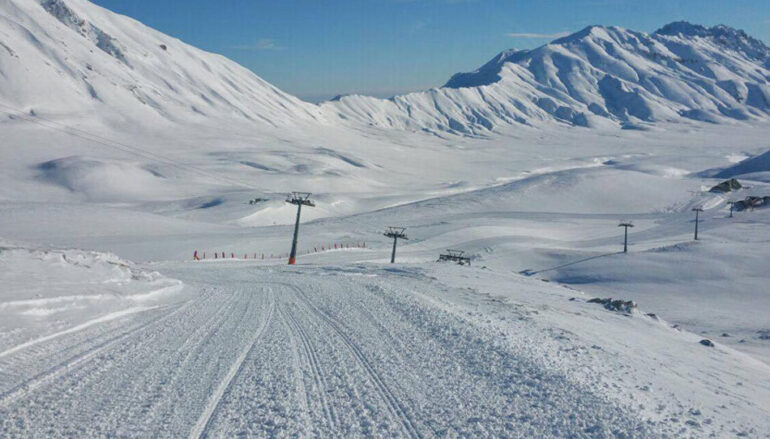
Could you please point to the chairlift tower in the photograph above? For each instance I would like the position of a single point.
(300, 199)
(395, 233)
(697, 211)
(626, 225)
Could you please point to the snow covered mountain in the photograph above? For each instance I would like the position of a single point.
(70, 58)
(599, 74)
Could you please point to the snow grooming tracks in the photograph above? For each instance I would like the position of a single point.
(69, 364)
(394, 406)
(204, 421)
(300, 384)
(312, 359)
(76, 328)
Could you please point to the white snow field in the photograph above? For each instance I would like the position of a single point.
(51, 293)
(123, 151)
(365, 350)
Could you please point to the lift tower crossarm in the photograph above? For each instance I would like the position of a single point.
(395, 233)
(299, 199)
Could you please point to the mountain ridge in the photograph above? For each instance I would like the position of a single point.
(73, 58)
(597, 75)
(725, 34)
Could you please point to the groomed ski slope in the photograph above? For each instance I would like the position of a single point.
(363, 351)
(128, 141)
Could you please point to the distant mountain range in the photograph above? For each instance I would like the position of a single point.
(75, 59)
(594, 76)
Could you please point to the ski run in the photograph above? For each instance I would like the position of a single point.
(126, 153)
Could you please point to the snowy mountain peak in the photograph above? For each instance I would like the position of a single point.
(687, 29)
(729, 37)
(684, 28)
(597, 76)
(488, 73)
(87, 60)
(592, 31)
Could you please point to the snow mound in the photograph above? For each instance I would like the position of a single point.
(581, 190)
(105, 180)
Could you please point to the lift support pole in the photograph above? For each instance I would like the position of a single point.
(395, 233)
(300, 199)
(625, 224)
(697, 219)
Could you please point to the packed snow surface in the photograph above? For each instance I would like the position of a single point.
(50, 293)
(363, 351)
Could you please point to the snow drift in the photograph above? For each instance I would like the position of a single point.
(49, 292)
(106, 180)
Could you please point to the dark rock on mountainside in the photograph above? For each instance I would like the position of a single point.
(726, 186)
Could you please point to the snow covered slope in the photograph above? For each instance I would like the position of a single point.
(74, 58)
(597, 75)
(50, 293)
(343, 345)
(757, 167)
(70, 58)
(361, 351)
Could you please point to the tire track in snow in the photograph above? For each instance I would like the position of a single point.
(394, 406)
(318, 377)
(157, 380)
(298, 370)
(188, 352)
(200, 430)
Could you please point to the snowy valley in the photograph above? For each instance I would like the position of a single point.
(123, 151)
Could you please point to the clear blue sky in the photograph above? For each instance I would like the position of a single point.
(318, 48)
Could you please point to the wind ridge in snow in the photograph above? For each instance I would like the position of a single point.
(50, 293)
